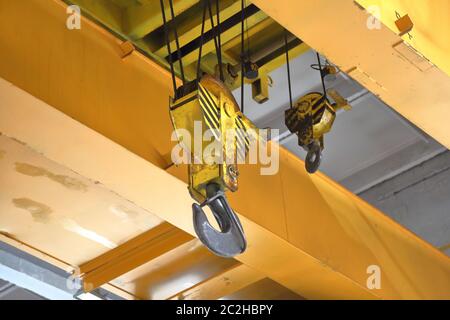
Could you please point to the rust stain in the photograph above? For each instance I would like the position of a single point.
(66, 181)
(40, 212)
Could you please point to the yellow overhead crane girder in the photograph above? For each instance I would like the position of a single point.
(305, 232)
(430, 33)
(377, 57)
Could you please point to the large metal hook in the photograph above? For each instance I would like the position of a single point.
(230, 240)
(313, 157)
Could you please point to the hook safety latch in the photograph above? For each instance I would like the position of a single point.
(230, 240)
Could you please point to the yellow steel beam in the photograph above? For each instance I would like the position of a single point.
(330, 235)
(374, 56)
(232, 47)
(90, 220)
(155, 190)
(131, 80)
(431, 32)
(134, 20)
(223, 284)
(265, 289)
(110, 13)
(190, 29)
(178, 270)
(144, 18)
(334, 246)
(131, 255)
(261, 33)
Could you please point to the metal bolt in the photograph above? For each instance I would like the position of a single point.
(233, 172)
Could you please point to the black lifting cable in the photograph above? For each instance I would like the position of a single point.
(166, 34)
(177, 42)
(242, 54)
(201, 43)
(288, 67)
(217, 40)
(219, 54)
(321, 76)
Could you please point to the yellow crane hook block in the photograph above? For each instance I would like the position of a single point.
(215, 134)
(310, 118)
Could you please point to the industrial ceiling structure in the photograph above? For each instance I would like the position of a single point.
(93, 203)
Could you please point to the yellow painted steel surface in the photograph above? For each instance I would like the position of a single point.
(431, 32)
(141, 24)
(70, 144)
(237, 277)
(377, 57)
(53, 63)
(305, 232)
(131, 255)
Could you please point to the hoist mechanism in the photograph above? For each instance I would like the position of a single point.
(211, 106)
(207, 104)
(310, 118)
(313, 115)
